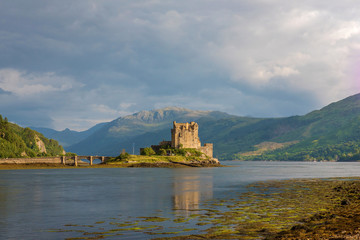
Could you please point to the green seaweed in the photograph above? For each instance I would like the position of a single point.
(181, 220)
(154, 219)
(100, 222)
(125, 224)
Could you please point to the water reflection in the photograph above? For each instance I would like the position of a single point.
(190, 191)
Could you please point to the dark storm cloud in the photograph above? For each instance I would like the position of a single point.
(98, 60)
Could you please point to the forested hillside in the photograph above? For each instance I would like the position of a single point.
(16, 141)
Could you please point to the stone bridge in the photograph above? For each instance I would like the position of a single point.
(77, 158)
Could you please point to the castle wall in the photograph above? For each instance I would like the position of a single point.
(208, 149)
(50, 160)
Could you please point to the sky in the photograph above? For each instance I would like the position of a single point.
(75, 63)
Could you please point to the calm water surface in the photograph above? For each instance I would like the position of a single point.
(39, 204)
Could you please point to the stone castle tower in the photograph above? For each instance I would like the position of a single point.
(186, 135)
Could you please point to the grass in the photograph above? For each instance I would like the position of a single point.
(149, 159)
(153, 159)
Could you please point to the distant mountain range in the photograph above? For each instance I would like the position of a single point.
(138, 130)
(68, 137)
(332, 133)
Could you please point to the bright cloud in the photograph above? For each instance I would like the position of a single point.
(25, 84)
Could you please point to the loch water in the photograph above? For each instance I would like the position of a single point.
(65, 203)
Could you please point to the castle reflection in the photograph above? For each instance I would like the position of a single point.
(190, 191)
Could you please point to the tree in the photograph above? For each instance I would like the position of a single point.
(148, 151)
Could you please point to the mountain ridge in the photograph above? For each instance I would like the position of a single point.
(122, 132)
(319, 135)
(323, 134)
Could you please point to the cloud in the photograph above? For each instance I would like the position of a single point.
(301, 48)
(98, 60)
(24, 84)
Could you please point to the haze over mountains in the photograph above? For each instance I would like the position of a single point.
(320, 134)
(68, 137)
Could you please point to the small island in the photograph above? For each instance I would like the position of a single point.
(184, 149)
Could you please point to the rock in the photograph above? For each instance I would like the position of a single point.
(40, 144)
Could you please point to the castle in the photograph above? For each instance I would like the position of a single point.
(186, 135)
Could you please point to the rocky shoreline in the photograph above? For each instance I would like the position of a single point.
(114, 165)
(172, 165)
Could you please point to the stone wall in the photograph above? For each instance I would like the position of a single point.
(52, 160)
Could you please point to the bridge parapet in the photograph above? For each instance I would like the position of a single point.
(90, 158)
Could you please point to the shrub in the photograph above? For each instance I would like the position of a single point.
(162, 152)
(70, 154)
(123, 156)
(148, 151)
(181, 151)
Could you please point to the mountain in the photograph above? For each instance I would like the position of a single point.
(68, 137)
(16, 141)
(139, 130)
(331, 133)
